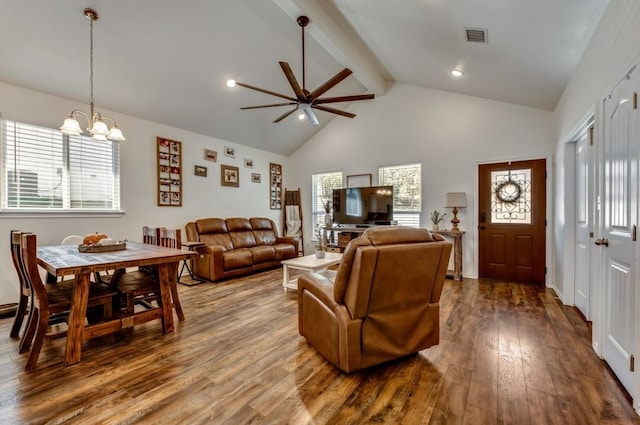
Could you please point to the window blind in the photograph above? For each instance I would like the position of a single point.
(407, 192)
(45, 170)
(322, 185)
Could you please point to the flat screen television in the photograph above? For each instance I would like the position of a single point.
(363, 205)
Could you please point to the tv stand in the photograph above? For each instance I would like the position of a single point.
(339, 236)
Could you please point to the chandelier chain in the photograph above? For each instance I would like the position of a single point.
(91, 65)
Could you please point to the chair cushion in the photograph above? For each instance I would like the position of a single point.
(242, 239)
(237, 259)
(211, 225)
(222, 239)
(238, 224)
(261, 223)
(262, 254)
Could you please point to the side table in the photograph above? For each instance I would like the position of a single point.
(457, 251)
(191, 246)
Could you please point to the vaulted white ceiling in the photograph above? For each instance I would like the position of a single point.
(167, 61)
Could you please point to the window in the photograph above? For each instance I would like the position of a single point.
(43, 170)
(321, 192)
(407, 191)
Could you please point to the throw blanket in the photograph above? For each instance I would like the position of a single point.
(293, 220)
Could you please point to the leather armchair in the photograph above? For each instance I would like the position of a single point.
(384, 302)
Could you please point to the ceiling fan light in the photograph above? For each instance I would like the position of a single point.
(306, 108)
(301, 116)
(71, 127)
(231, 83)
(457, 73)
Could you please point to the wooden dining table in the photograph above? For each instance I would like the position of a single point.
(65, 260)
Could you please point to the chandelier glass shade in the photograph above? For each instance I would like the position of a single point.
(96, 125)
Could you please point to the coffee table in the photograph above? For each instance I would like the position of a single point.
(307, 263)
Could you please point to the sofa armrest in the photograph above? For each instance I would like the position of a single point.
(287, 239)
(210, 262)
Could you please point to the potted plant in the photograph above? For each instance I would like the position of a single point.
(321, 244)
(436, 218)
(328, 220)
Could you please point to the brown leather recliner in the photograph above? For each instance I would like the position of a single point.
(384, 303)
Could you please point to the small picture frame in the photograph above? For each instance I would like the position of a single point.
(229, 176)
(230, 152)
(359, 180)
(200, 171)
(210, 155)
(256, 178)
(248, 163)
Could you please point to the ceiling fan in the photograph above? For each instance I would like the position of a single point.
(305, 99)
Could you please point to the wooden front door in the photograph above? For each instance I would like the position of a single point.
(511, 221)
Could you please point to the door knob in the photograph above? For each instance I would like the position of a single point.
(603, 241)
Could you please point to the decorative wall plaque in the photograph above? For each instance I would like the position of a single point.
(275, 186)
(169, 172)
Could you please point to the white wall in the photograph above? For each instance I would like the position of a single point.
(449, 134)
(202, 197)
(613, 50)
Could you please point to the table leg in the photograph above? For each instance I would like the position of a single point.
(164, 273)
(77, 314)
(285, 277)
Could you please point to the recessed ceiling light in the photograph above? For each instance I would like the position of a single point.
(231, 83)
(457, 73)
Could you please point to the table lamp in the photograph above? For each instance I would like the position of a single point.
(455, 200)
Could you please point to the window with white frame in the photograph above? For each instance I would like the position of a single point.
(407, 192)
(322, 186)
(44, 170)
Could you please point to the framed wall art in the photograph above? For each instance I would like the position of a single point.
(229, 176)
(248, 163)
(169, 158)
(200, 171)
(229, 151)
(256, 177)
(359, 180)
(275, 186)
(210, 155)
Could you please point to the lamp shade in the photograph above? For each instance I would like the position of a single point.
(455, 199)
(71, 127)
(116, 134)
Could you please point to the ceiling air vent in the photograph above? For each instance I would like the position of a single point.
(476, 35)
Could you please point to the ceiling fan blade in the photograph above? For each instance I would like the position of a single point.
(272, 93)
(292, 80)
(268, 106)
(286, 114)
(344, 98)
(330, 83)
(334, 111)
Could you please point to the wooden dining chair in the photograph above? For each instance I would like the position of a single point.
(142, 287)
(50, 300)
(25, 290)
(171, 238)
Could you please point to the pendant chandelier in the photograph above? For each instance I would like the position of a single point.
(96, 125)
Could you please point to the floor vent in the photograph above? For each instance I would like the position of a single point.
(476, 35)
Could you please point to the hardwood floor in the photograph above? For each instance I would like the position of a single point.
(509, 354)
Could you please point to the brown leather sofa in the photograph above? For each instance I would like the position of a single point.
(237, 246)
(384, 302)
